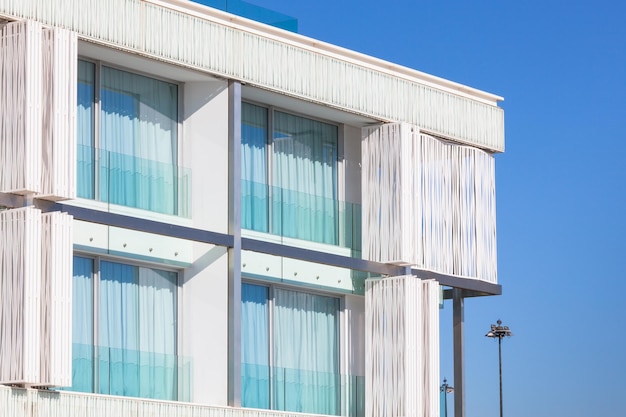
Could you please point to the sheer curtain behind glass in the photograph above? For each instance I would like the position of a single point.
(304, 344)
(138, 131)
(255, 371)
(85, 130)
(137, 330)
(82, 326)
(303, 176)
(305, 171)
(306, 352)
(254, 204)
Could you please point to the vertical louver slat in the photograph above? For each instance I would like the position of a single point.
(428, 202)
(402, 347)
(20, 289)
(430, 318)
(38, 110)
(36, 297)
(59, 126)
(56, 299)
(20, 107)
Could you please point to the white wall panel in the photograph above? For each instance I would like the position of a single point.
(59, 114)
(37, 110)
(20, 290)
(36, 297)
(401, 347)
(18, 402)
(20, 107)
(56, 300)
(195, 36)
(428, 202)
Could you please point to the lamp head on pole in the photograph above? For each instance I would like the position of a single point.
(498, 331)
(445, 387)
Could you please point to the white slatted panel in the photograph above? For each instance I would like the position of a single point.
(428, 202)
(20, 289)
(20, 107)
(17, 402)
(56, 300)
(59, 125)
(402, 347)
(187, 34)
(430, 320)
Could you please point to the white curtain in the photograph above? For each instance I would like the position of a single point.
(137, 331)
(255, 345)
(304, 345)
(254, 192)
(85, 130)
(305, 177)
(138, 136)
(306, 352)
(82, 325)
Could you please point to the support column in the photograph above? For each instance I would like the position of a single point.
(234, 253)
(459, 351)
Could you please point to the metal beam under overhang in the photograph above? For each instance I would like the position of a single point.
(469, 287)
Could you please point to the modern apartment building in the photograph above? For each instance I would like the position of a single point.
(202, 215)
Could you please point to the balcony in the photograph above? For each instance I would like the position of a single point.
(288, 389)
(130, 372)
(332, 224)
(129, 181)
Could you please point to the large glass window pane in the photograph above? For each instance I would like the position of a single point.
(137, 331)
(303, 177)
(254, 204)
(303, 339)
(132, 158)
(138, 134)
(82, 326)
(255, 370)
(305, 171)
(306, 352)
(85, 129)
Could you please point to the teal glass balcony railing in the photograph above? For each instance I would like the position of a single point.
(254, 12)
(298, 215)
(298, 390)
(133, 182)
(130, 373)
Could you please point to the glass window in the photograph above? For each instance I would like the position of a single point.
(254, 191)
(302, 371)
(131, 159)
(132, 351)
(298, 196)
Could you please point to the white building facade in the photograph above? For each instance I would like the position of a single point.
(202, 215)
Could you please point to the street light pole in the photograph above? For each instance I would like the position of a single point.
(446, 389)
(500, 332)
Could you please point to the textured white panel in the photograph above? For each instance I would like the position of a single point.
(20, 107)
(191, 35)
(56, 300)
(428, 202)
(401, 347)
(430, 326)
(41, 403)
(59, 113)
(20, 289)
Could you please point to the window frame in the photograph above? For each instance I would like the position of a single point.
(269, 174)
(95, 304)
(97, 112)
(339, 330)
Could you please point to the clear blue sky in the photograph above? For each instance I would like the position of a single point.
(561, 184)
